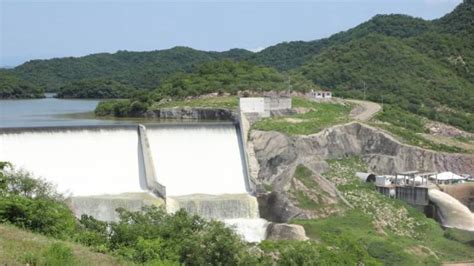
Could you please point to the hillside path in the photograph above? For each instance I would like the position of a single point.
(364, 110)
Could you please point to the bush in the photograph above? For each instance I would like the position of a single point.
(58, 254)
(33, 204)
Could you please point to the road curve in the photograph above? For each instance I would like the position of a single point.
(364, 110)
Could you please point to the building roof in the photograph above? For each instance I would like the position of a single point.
(449, 176)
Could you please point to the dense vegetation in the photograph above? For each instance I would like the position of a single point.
(421, 66)
(225, 76)
(140, 69)
(365, 235)
(96, 88)
(12, 87)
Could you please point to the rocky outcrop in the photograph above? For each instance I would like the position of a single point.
(278, 154)
(192, 114)
(277, 207)
(286, 232)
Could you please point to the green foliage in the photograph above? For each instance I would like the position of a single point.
(154, 236)
(305, 175)
(58, 254)
(226, 76)
(95, 88)
(138, 69)
(229, 102)
(33, 204)
(466, 237)
(13, 87)
(136, 106)
(318, 117)
(408, 127)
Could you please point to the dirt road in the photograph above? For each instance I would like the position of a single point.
(364, 110)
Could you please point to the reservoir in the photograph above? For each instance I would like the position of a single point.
(52, 112)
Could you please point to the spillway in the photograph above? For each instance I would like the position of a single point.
(451, 211)
(199, 167)
(80, 161)
(198, 159)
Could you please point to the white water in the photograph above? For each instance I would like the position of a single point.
(251, 230)
(197, 159)
(79, 162)
(452, 212)
(189, 161)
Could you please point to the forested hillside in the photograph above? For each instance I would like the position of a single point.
(423, 66)
(139, 69)
(12, 87)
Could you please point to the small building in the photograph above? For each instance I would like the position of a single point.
(447, 178)
(320, 95)
(263, 106)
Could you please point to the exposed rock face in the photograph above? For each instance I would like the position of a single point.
(286, 232)
(278, 156)
(192, 114)
(277, 153)
(277, 207)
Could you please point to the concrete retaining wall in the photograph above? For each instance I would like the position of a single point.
(273, 104)
(150, 174)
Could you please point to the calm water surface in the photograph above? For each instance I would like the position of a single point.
(51, 112)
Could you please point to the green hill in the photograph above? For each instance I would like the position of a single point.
(13, 87)
(139, 69)
(423, 66)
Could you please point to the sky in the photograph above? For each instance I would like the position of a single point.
(44, 29)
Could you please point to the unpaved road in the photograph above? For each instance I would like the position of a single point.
(364, 110)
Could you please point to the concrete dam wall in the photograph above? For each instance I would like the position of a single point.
(200, 167)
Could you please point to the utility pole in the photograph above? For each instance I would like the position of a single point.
(364, 90)
(289, 85)
(382, 102)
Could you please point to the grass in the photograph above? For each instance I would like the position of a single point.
(312, 199)
(408, 128)
(305, 175)
(320, 116)
(229, 102)
(391, 232)
(20, 247)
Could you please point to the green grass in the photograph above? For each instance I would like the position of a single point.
(320, 116)
(305, 202)
(390, 231)
(20, 247)
(305, 175)
(230, 102)
(407, 127)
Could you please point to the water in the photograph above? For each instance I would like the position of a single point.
(452, 212)
(251, 230)
(79, 162)
(198, 159)
(103, 168)
(51, 112)
(220, 207)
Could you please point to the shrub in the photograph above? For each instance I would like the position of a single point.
(58, 254)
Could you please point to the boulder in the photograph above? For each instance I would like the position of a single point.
(276, 231)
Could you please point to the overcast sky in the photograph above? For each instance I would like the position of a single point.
(54, 28)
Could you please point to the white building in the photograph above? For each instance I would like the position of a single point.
(320, 95)
(264, 105)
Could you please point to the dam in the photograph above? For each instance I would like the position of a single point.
(197, 166)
